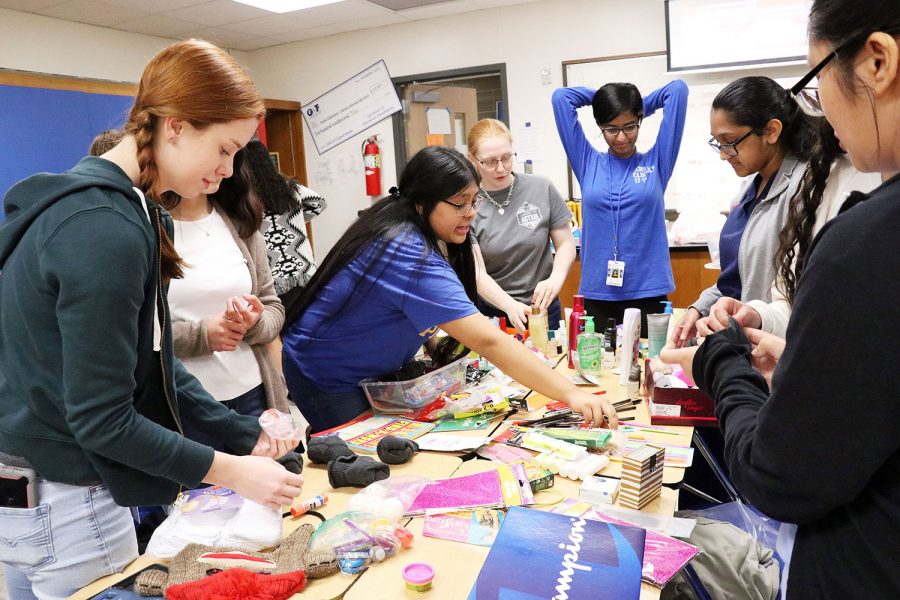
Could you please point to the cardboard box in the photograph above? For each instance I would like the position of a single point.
(678, 406)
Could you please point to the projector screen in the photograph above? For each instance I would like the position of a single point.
(716, 34)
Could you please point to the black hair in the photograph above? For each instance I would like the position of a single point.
(432, 175)
(845, 23)
(797, 233)
(275, 192)
(613, 99)
(236, 201)
(754, 101)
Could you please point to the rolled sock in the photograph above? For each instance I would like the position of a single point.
(292, 461)
(357, 471)
(394, 450)
(323, 450)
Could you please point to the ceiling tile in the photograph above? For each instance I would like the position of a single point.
(93, 13)
(256, 44)
(339, 12)
(405, 4)
(270, 25)
(219, 36)
(160, 25)
(28, 5)
(154, 7)
(439, 10)
(323, 30)
(218, 12)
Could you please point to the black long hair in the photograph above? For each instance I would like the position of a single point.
(275, 192)
(796, 236)
(613, 99)
(754, 101)
(432, 175)
(235, 199)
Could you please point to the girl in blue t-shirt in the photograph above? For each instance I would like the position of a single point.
(624, 248)
(402, 271)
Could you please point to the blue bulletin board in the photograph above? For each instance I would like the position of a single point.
(50, 130)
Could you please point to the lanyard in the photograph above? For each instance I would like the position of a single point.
(617, 211)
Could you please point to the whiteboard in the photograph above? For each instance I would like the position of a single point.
(700, 179)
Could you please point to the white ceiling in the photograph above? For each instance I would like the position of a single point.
(240, 26)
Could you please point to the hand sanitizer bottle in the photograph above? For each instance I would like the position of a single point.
(590, 348)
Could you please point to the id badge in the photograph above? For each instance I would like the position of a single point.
(615, 273)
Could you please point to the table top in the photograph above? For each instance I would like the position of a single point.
(457, 564)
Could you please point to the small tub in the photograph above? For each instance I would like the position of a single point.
(418, 576)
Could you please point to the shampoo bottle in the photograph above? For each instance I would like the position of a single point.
(609, 346)
(631, 339)
(537, 330)
(576, 325)
(590, 348)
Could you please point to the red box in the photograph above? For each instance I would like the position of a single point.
(678, 406)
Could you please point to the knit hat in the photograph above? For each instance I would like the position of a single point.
(291, 555)
(239, 584)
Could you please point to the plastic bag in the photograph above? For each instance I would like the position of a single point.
(389, 498)
(764, 530)
(216, 516)
(359, 538)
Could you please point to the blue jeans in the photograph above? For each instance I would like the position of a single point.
(323, 410)
(251, 403)
(75, 535)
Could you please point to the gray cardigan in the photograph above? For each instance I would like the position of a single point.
(756, 254)
(191, 339)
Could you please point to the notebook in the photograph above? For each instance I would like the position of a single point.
(540, 554)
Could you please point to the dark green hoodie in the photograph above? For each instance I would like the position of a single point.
(84, 397)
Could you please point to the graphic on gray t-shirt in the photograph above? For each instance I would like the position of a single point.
(516, 244)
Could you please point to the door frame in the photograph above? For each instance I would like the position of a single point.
(462, 73)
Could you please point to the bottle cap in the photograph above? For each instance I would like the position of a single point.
(611, 323)
(588, 323)
(535, 309)
(668, 309)
(578, 302)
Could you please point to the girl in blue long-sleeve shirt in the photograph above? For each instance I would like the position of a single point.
(623, 211)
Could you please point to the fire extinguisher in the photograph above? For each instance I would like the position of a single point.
(372, 160)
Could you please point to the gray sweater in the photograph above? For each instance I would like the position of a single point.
(191, 336)
(756, 255)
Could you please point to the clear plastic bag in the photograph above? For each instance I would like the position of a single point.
(359, 538)
(389, 498)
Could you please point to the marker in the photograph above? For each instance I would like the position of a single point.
(312, 503)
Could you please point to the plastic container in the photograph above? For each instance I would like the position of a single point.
(400, 397)
(418, 576)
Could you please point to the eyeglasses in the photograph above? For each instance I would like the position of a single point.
(493, 163)
(629, 129)
(466, 207)
(807, 96)
(729, 149)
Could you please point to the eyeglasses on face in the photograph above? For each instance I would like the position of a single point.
(629, 129)
(807, 96)
(729, 149)
(466, 207)
(493, 163)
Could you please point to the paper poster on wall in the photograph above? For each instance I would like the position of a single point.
(438, 121)
(351, 107)
(526, 143)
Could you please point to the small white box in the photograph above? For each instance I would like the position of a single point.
(599, 490)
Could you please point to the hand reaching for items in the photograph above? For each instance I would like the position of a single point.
(222, 334)
(245, 310)
(256, 478)
(596, 410)
(686, 327)
(767, 350)
(724, 308)
(517, 315)
(683, 356)
(545, 292)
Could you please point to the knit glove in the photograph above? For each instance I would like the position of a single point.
(394, 450)
(238, 584)
(323, 450)
(290, 556)
(292, 461)
(356, 470)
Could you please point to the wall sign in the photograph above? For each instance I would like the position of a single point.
(351, 107)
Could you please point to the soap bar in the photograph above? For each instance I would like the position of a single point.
(599, 490)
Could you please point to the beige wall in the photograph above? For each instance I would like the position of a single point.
(527, 37)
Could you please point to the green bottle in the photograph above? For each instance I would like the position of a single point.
(590, 348)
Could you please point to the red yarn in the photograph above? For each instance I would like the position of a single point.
(240, 584)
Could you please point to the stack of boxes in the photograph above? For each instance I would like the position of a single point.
(642, 473)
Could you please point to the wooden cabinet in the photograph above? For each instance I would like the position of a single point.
(688, 269)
